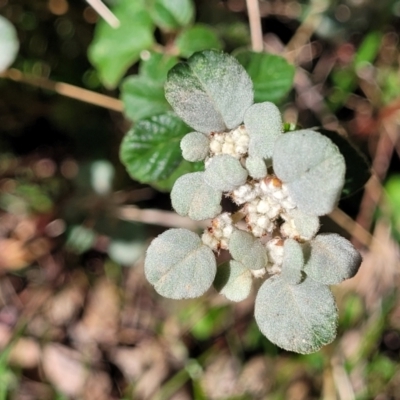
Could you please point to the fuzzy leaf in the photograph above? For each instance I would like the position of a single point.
(357, 168)
(233, 280)
(272, 75)
(225, 173)
(197, 38)
(150, 150)
(306, 225)
(179, 265)
(171, 15)
(210, 92)
(244, 247)
(300, 318)
(113, 51)
(143, 98)
(332, 259)
(293, 262)
(192, 197)
(195, 146)
(9, 44)
(264, 125)
(312, 168)
(256, 167)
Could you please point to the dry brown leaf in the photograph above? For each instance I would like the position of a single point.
(13, 254)
(25, 353)
(255, 378)
(64, 368)
(98, 386)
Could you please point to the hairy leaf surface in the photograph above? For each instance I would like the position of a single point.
(195, 146)
(210, 92)
(293, 262)
(233, 280)
(179, 265)
(9, 44)
(247, 249)
(192, 197)
(312, 168)
(256, 167)
(332, 259)
(300, 318)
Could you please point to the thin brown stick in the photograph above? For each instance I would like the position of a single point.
(66, 89)
(253, 11)
(105, 13)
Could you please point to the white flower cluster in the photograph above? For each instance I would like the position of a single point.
(235, 142)
(217, 235)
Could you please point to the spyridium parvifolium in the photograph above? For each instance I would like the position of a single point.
(282, 183)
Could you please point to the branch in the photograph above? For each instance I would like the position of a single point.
(105, 13)
(65, 89)
(253, 10)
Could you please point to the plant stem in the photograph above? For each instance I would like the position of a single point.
(105, 13)
(66, 89)
(253, 10)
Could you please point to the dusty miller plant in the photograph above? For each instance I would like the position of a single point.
(282, 183)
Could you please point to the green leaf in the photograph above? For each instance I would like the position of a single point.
(197, 38)
(113, 51)
(312, 168)
(179, 265)
(143, 98)
(300, 318)
(357, 167)
(264, 125)
(156, 66)
(225, 173)
(293, 262)
(233, 280)
(210, 92)
(172, 15)
(185, 167)
(368, 49)
(192, 197)
(150, 150)
(331, 259)
(247, 249)
(9, 43)
(272, 75)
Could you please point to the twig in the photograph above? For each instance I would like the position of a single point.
(159, 217)
(66, 89)
(105, 13)
(253, 11)
(342, 380)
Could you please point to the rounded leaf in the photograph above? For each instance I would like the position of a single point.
(210, 92)
(192, 197)
(225, 173)
(332, 259)
(179, 265)
(312, 168)
(233, 280)
(306, 225)
(293, 262)
(264, 124)
(300, 318)
(256, 167)
(247, 249)
(9, 44)
(195, 146)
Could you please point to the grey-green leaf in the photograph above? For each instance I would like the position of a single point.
(192, 197)
(306, 225)
(293, 262)
(179, 265)
(210, 92)
(195, 146)
(312, 168)
(256, 167)
(264, 124)
(150, 150)
(113, 51)
(171, 15)
(247, 249)
(225, 173)
(233, 280)
(9, 44)
(143, 98)
(331, 259)
(300, 318)
(197, 38)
